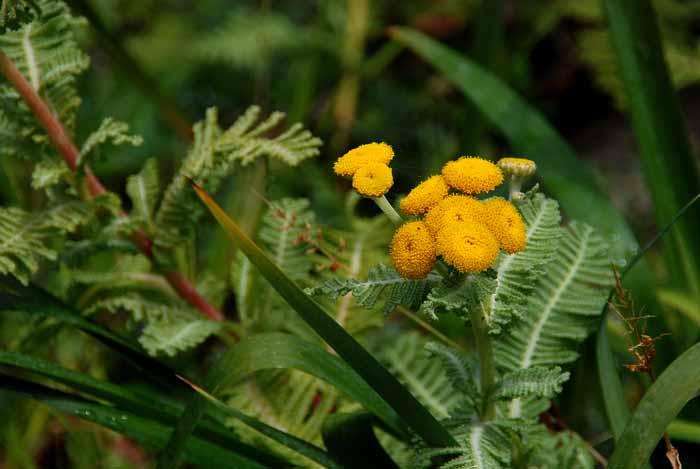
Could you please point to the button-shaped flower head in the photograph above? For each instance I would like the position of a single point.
(413, 250)
(518, 167)
(373, 180)
(453, 209)
(472, 175)
(468, 246)
(506, 224)
(348, 164)
(425, 196)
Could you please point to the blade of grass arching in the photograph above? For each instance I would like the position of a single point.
(278, 351)
(302, 447)
(657, 120)
(147, 404)
(35, 301)
(144, 431)
(616, 406)
(351, 439)
(684, 430)
(417, 417)
(528, 132)
(662, 402)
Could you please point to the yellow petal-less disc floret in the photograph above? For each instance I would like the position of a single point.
(373, 179)
(453, 209)
(358, 157)
(472, 175)
(506, 224)
(519, 167)
(424, 196)
(413, 250)
(467, 246)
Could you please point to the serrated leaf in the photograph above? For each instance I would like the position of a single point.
(383, 286)
(110, 130)
(25, 236)
(13, 13)
(535, 381)
(173, 335)
(213, 157)
(48, 173)
(144, 189)
(516, 274)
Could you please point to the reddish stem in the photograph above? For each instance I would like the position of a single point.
(70, 154)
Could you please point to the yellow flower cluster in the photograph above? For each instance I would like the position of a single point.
(368, 166)
(465, 231)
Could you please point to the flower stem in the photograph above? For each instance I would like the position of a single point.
(487, 370)
(388, 210)
(69, 152)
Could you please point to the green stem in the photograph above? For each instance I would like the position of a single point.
(388, 210)
(487, 375)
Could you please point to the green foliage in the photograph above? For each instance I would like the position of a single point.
(535, 381)
(110, 130)
(213, 157)
(28, 238)
(46, 53)
(15, 12)
(382, 283)
(144, 190)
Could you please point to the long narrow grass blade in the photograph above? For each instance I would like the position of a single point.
(387, 386)
(351, 439)
(664, 146)
(302, 447)
(144, 431)
(662, 402)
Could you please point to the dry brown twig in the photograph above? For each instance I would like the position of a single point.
(641, 345)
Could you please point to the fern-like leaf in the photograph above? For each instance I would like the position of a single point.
(213, 157)
(516, 274)
(535, 381)
(46, 53)
(144, 189)
(382, 284)
(14, 13)
(563, 306)
(110, 130)
(24, 236)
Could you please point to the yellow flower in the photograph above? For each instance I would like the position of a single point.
(373, 179)
(472, 175)
(468, 246)
(424, 196)
(453, 209)
(353, 160)
(519, 167)
(413, 250)
(506, 224)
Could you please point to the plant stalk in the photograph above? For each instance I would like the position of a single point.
(487, 370)
(388, 210)
(65, 146)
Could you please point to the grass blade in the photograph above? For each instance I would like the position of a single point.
(662, 402)
(658, 123)
(384, 383)
(302, 447)
(144, 431)
(685, 431)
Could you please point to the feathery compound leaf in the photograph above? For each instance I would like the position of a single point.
(458, 294)
(15, 12)
(144, 189)
(536, 381)
(562, 307)
(427, 379)
(213, 157)
(24, 235)
(458, 368)
(110, 130)
(482, 446)
(516, 274)
(383, 283)
(46, 53)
